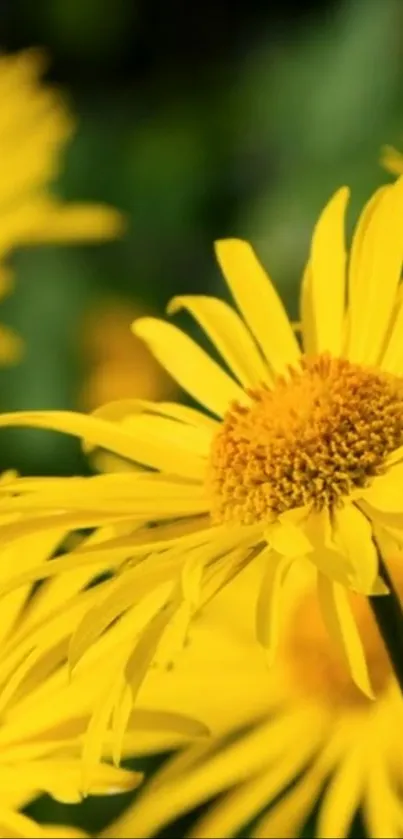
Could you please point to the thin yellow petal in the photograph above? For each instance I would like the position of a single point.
(342, 798)
(116, 411)
(287, 538)
(359, 264)
(341, 626)
(229, 334)
(189, 365)
(392, 355)
(386, 491)
(98, 432)
(328, 274)
(258, 302)
(353, 534)
(239, 807)
(377, 276)
(268, 609)
(286, 818)
(325, 555)
(55, 222)
(307, 311)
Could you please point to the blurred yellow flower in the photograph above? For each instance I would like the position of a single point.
(286, 738)
(392, 160)
(11, 345)
(116, 366)
(43, 715)
(35, 126)
(303, 457)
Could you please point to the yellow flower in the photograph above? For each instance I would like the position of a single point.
(43, 714)
(392, 160)
(288, 739)
(34, 128)
(298, 453)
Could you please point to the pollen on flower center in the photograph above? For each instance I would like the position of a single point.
(318, 434)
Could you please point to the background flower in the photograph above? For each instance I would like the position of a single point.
(296, 747)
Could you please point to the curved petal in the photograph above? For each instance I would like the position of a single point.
(117, 439)
(342, 798)
(328, 275)
(268, 609)
(378, 272)
(189, 365)
(342, 628)
(353, 534)
(229, 334)
(386, 491)
(258, 302)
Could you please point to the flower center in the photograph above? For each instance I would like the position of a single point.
(313, 438)
(315, 665)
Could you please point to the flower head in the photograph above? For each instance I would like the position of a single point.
(297, 454)
(289, 740)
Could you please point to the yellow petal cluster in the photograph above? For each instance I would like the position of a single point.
(324, 466)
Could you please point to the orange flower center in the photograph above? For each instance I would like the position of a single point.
(318, 434)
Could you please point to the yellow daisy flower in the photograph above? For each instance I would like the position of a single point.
(289, 740)
(298, 453)
(43, 715)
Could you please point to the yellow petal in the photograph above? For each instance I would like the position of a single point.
(392, 356)
(229, 815)
(115, 438)
(325, 555)
(342, 798)
(289, 814)
(54, 222)
(229, 334)
(328, 274)
(123, 594)
(377, 276)
(386, 491)
(307, 311)
(268, 609)
(189, 365)
(116, 411)
(342, 628)
(353, 534)
(19, 825)
(287, 538)
(258, 302)
(359, 264)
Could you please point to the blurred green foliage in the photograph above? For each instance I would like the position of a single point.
(251, 142)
